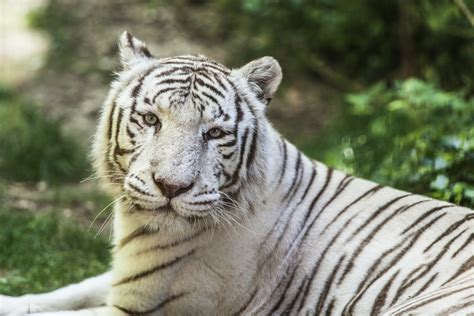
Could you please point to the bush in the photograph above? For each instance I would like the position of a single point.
(344, 41)
(34, 149)
(410, 135)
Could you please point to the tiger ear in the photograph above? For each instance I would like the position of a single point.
(132, 50)
(264, 76)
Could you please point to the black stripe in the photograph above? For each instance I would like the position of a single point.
(213, 99)
(219, 82)
(228, 156)
(410, 275)
(238, 109)
(130, 134)
(253, 147)
(426, 285)
(367, 193)
(210, 87)
(137, 89)
(466, 266)
(295, 176)
(341, 187)
(448, 231)
(129, 39)
(327, 286)
(135, 121)
(172, 63)
(142, 231)
(285, 158)
(206, 74)
(379, 302)
(218, 68)
(230, 143)
(169, 81)
(111, 116)
(164, 90)
(140, 190)
(467, 242)
(310, 183)
(330, 308)
(135, 156)
(378, 213)
(171, 244)
(152, 310)
(110, 162)
(112, 150)
(185, 70)
(235, 175)
(320, 193)
(153, 270)
(423, 216)
(297, 186)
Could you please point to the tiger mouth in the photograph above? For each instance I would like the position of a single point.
(164, 209)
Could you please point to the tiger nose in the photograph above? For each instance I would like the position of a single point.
(171, 190)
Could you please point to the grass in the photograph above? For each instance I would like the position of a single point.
(43, 252)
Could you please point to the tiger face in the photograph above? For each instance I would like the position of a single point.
(178, 136)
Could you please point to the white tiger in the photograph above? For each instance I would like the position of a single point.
(217, 214)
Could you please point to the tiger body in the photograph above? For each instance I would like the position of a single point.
(234, 219)
(335, 249)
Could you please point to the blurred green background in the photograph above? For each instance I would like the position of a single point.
(380, 89)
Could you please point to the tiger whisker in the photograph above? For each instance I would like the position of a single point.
(104, 209)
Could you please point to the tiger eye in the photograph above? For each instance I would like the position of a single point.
(214, 133)
(151, 119)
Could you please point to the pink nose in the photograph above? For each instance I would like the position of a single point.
(171, 190)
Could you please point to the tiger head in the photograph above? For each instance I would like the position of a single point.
(180, 137)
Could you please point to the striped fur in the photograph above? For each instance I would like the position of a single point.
(261, 229)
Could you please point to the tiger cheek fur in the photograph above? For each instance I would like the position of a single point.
(218, 214)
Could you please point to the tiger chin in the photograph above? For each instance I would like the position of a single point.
(217, 214)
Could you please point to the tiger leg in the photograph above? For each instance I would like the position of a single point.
(89, 293)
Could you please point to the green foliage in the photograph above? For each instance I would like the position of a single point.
(33, 148)
(43, 252)
(345, 41)
(410, 135)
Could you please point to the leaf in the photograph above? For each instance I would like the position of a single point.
(440, 183)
